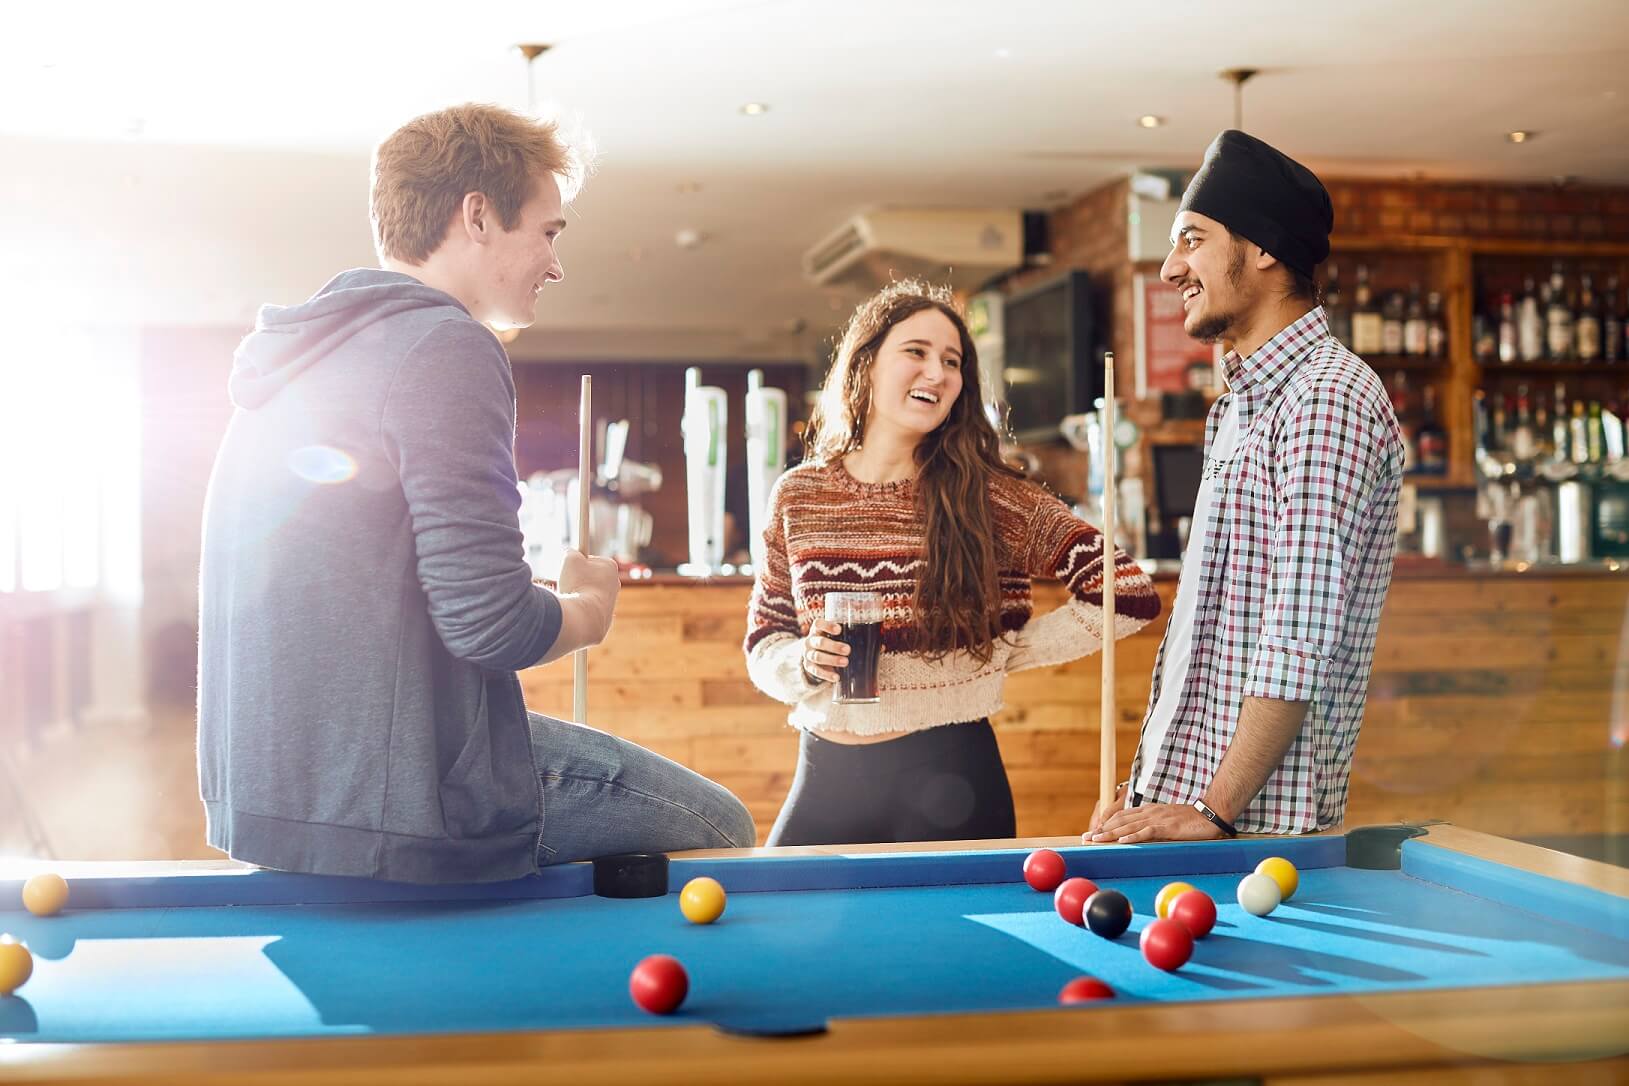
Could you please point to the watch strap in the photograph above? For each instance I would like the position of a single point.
(1215, 819)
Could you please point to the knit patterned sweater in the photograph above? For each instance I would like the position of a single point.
(830, 532)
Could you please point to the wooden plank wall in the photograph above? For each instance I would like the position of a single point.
(1499, 702)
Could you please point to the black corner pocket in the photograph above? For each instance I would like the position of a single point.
(1380, 848)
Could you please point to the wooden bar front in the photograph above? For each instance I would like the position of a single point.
(1499, 702)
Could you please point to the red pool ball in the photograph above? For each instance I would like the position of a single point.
(1070, 899)
(1044, 869)
(659, 984)
(1167, 944)
(1085, 990)
(1195, 911)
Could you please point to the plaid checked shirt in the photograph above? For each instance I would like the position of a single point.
(1298, 558)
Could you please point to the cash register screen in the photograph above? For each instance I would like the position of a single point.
(1177, 470)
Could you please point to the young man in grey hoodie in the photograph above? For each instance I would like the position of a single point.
(365, 602)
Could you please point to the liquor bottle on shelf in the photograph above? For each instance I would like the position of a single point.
(1579, 434)
(1436, 327)
(1366, 339)
(1340, 316)
(1484, 326)
(1587, 327)
(1508, 347)
(1404, 410)
(1523, 441)
(1597, 433)
(1558, 321)
(1543, 433)
(1414, 326)
(1529, 324)
(1612, 421)
(1558, 434)
(1431, 440)
(1498, 428)
(1489, 457)
(1613, 346)
(1391, 324)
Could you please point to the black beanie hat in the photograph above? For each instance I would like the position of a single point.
(1265, 196)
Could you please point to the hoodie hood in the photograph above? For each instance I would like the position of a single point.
(289, 339)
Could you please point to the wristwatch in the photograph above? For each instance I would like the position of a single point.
(1215, 819)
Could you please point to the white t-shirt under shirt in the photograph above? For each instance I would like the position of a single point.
(1179, 632)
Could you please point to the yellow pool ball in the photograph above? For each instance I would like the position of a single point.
(1282, 872)
(16, 965)
(45, 895)
(702, 900)
(1169, 893)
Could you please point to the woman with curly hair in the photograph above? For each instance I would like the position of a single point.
(904, 493)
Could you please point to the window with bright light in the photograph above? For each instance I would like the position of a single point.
(69, 463)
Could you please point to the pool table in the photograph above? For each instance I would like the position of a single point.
(1407, 951)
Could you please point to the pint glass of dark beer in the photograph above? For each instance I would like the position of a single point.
(860, 615)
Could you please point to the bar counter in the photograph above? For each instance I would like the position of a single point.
(1499, 700)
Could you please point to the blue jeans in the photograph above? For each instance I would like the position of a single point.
(603, 795)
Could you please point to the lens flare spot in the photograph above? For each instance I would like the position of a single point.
(322, 464)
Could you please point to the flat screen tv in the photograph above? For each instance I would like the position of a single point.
(1053, 366)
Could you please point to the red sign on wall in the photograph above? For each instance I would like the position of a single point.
(1168, 359)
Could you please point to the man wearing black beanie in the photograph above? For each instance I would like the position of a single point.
(1259, 686)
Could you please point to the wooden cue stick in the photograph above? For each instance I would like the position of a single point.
(585, 451)
(1107, 766)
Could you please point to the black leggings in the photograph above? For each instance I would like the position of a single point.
(941, 784)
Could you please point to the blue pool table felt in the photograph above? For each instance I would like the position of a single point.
(778, 962)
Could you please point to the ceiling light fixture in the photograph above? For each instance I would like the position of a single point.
(1149, 120)
(1521, 135)
(1239, 77)
(531, 51)
(753, 109)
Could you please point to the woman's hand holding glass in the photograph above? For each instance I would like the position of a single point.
(823, 657)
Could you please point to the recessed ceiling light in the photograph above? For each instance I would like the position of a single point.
(1521, 135)
(752, 109)
(688, 238)
(1148, 120)
(1003, 54)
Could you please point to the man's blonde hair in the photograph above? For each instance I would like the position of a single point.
(423, 170)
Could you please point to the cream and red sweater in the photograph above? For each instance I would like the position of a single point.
(830, 532)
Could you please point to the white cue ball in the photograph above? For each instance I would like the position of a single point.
(1259, 894)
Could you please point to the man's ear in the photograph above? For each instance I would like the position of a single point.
(1264, 259)
(475, 216)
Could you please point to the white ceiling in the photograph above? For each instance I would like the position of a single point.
(179, 163)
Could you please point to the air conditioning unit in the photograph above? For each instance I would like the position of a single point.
(963, 247)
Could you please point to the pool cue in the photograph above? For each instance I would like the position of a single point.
(1106, 755)
(585, 451)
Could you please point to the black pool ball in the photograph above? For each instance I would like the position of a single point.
(1108, 913)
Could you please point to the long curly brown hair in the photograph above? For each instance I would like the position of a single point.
(957, 603)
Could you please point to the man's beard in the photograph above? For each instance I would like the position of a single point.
(1214, 328)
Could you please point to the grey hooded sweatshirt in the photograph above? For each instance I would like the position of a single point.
(365, 600)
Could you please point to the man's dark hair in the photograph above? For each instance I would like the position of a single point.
(1304, 287)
